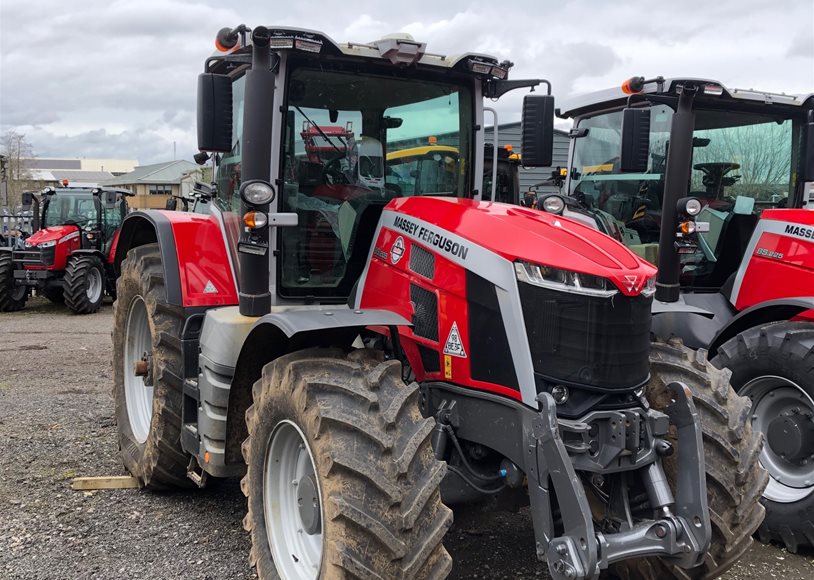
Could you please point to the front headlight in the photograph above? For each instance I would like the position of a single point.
(564, 280)
(257, 192)
(48, 244)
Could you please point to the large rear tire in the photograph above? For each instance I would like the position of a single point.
(774, 366)
(148, 417)
(355, 440)
(84, 284)
(12, 296)
(734, 480)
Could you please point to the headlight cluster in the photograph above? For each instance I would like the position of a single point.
(564, 280)
(48, 244)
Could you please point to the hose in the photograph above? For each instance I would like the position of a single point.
(469, 468)
(472, 484)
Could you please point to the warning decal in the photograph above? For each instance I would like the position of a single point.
(454, 346)
(210, 288)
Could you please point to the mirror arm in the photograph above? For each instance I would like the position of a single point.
(496, 88)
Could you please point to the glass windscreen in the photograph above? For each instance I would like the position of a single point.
(79, 210)
(741, 165)
(353, 142)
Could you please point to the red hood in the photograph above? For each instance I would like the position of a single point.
(518, 233)
(52, 233)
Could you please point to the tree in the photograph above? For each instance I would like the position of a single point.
(17, 151)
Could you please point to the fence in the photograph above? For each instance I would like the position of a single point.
(13, 219)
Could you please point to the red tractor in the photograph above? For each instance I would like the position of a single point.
(68, 259)
(456, 350)
(739, 281)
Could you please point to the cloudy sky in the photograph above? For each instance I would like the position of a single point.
(116, 79)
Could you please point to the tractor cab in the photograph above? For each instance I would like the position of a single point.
(743, 154)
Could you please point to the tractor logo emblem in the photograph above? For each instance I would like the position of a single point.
(632, 283)
(454, 346)
(397, 251)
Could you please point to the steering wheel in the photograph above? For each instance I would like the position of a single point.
(77, 220)
(332, 173)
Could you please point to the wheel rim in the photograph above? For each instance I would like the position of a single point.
(138, 396)
(784, 412)
(293, 526)
(94, 284)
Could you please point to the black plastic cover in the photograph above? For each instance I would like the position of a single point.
(635, 140)
(214, 113)
(586, 341)
(537, 146)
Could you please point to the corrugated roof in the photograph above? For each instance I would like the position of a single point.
(159, 173)
(78, 176)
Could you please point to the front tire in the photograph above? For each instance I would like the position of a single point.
(84, 284)
(148, 408)
(365, 458)
(12, 296)
(773, 365)
(734, 479)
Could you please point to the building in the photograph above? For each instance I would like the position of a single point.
(154, 184)
(510, 134)
(52, 171)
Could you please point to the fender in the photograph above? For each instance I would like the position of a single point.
(280, 333)
(758, 315)
(196, 263)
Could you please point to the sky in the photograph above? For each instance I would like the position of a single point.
(117, 79)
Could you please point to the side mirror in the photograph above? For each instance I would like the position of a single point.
(27, 199)
(172, 204)
(111, 199)
(635, 140)
(214, 112)
(537, 144)
(807, 168)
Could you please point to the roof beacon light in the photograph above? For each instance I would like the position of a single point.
(633, 85)
(432, 140)
(508, 147)
(227, 40)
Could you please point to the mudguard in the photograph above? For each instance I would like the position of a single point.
(760, 314)
(197, 267)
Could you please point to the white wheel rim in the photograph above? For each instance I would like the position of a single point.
(297, 554)
(138, 396)
(94, 284)
(772, 395)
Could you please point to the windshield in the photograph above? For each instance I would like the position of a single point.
(339, 185)
(741, 165)
(63, 209)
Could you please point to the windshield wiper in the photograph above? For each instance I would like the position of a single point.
(321, 132)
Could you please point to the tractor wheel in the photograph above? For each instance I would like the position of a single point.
(341, 480)
(84, 284)
(54, 294)
(774, 366)
(12, 296)
(146, 330)
(735, 479)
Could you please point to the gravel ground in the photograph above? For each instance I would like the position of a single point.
(56, 423)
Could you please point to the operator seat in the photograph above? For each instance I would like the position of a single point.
(737, 232)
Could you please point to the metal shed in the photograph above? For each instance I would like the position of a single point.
(509, 133)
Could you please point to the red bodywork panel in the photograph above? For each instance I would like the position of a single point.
(67, 240)
(111, 255)
(780, 259)
(202, 258)
(488, 237)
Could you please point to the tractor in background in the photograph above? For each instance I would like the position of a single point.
(68, 259)
(440, 351)
(738, 278)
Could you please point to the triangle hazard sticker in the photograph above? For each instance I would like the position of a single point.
(210, 288)
(454, 346)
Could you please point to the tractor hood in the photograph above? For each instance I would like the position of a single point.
(54, 233)
(518, 233)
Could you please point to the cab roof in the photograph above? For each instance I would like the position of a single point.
(615, 97)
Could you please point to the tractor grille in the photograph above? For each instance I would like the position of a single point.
(425, 318)
(587, 341)
(422, 262)
(34, 256)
